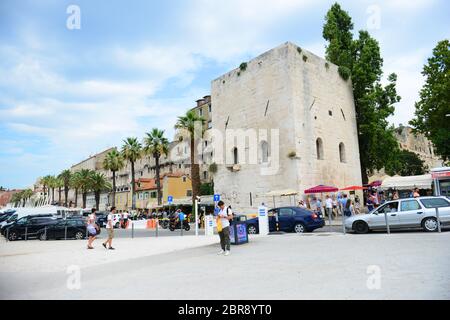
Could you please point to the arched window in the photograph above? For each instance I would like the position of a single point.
(235, 156)
(342, 152)
(319, 149)
(264, 152)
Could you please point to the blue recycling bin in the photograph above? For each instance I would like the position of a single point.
(238, 231)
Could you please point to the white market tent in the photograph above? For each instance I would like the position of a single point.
(408, 183)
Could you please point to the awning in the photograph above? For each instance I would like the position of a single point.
(408, 183)
(282, 193)
(321, 189)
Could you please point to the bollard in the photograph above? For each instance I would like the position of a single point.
(132, 230)
(438, 219)
(26, 233)
(387, 223)
(65, 233)
(157, 223)
(330, 212)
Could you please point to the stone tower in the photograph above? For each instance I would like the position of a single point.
(295, 110)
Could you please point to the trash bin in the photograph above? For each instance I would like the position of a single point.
(238, 231)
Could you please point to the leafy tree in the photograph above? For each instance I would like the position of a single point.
(132, 151)
(156, 145)
(360, 59)
(65, 177)
(206, 189)
(189, 124)
(407, 163)
(432, 116)
(113, 162)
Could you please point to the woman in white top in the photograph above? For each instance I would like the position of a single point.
(92, 228)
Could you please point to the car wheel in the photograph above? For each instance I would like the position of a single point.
(360, 227)
(187, 228)
(12, 236)
(117, 226)
(299, 228)
(430, 224)
(171, 229)
(79, 235)
(251, 229)
(43, 236)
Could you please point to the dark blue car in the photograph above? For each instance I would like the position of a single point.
(290, 219)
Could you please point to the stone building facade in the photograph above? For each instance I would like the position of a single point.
(418, 144)
(300, 117)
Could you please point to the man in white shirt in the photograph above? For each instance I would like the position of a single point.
(125, 219)
(224, 216)
(110, 229)
(329, 206)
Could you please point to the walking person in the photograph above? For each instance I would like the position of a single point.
(223, 222)
(329, 206)
(348, 208)
(92, 228)
(110, 229)
(335, 206)
(357, 205)
(125, 219)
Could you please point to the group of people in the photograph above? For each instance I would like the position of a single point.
(334, 206)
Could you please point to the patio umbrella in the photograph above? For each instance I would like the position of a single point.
(321, 189)
(353, 188)
(376, 183)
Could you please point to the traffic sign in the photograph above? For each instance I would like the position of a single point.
(170, 199)
(216, 197)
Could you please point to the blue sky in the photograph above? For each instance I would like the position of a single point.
(134, 65)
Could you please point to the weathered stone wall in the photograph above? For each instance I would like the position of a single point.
(299, 95)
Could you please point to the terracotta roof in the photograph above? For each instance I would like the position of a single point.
(145, 184)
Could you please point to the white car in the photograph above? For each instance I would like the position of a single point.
(403, 213)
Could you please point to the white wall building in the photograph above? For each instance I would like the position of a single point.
(303, 97)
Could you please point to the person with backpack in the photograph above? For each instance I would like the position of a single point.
(224, 217)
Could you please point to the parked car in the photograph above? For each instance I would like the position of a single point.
(62, 229)
(101, 219)
(5, 216)
(27, 227)
(13, 219)
(290, 219)
(403, 213)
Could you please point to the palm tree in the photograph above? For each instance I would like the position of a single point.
(45, 181)
(113, 162)
(98, 183)
(26, 195)
(59, 183)
(65, 176)
(189, 124)
(76, 184)
(52, 184)
(16, 198)
(85, 183)
(132, 151)
(156, 145)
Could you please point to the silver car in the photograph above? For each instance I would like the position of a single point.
(403, 213)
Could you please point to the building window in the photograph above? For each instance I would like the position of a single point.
(209, 124)
(319, 149)
(189, 193)
(200, 112)
(209, 108)
(330, 113)
(184, 179)
(264, 152)
(179, 166)
(235, 156)
(342, 152)
(153, 194)
(205, 175)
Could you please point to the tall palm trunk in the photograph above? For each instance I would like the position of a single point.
(133, 196)
(84, 195)
(59, 195)
(66, 195)
(114, 190)
(195, 172)
(53, 194)
(158, 182)
(97, 199)
(76, 197)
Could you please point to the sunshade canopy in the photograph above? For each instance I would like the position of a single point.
(282, 193)
(408, 183)
(321, 189)
(353, 188)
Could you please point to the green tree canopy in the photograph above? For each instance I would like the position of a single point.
(361, 60)
(432, 115)
(406, 163)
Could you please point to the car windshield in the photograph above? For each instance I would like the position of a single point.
(12, 218)
(387, 208)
